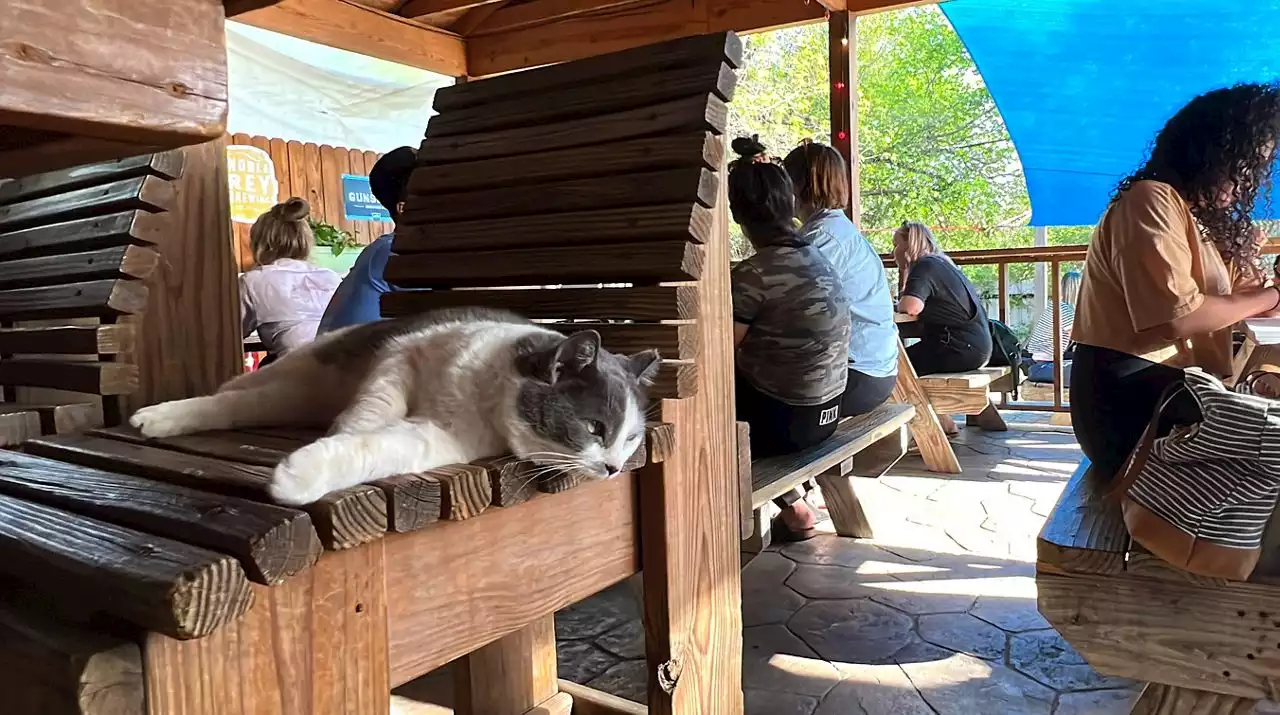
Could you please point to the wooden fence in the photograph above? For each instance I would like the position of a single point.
(313, 172)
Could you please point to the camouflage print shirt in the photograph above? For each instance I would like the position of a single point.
(796, 348)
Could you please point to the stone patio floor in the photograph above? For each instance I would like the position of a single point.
(935, 616)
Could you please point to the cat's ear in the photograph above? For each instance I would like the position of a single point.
(575, 354)
(644, 366)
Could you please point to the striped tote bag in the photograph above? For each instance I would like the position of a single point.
(1201, 497)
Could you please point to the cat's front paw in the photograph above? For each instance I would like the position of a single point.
(167, 419)
(300, 479)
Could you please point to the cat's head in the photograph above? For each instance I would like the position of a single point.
(579, 406)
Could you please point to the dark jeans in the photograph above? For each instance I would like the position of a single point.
(948, 352)
(1112, 397)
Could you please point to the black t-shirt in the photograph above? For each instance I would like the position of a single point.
(951, 303)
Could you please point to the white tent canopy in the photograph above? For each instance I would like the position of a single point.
(293, 89)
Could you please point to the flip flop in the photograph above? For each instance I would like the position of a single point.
(781, 533)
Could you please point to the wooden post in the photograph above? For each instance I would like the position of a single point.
(692, 584)
(842, 44)
(1056, 292)
(512, 675)
(188, 340)
(1003, 273)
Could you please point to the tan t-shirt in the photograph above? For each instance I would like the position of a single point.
(1147, 266)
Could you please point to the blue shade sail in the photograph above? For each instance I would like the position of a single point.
(1084, 85)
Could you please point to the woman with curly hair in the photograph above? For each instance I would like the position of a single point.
(1172, 266)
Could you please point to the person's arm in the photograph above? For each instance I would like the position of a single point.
(918, 289)
(248, 320)
(910, 305)
(739, 333)
(1220, 311)
(748, 291)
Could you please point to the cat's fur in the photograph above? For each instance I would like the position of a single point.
(416, 393)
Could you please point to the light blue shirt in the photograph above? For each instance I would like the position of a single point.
(873, 345)
(358, 298)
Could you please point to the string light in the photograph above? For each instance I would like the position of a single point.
(839, 86)
(844, 41)
(842, 135)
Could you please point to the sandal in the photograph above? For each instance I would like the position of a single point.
(782, 533)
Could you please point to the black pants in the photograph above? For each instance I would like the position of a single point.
(862, 394)
(778, 428)
(1112, 397)
(946, 353)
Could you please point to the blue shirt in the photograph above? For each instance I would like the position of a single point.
(358, 298)
(873, 344)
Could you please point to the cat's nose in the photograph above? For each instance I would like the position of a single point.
(612, 469)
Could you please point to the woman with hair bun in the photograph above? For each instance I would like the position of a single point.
(283, 296)
(791, 326)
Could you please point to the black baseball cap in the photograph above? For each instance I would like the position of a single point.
(389, 176)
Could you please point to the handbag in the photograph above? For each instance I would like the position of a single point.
(1201, 497)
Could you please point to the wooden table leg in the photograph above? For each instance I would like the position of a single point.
(925, 427)
(512, 675)
(1160, 699)
(846, 510)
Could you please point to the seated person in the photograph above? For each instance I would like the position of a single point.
(951, 322)
(791, 326)
(822, 192)
(284, 295)
(1039, 345)
(1171, 269)
(358, 299)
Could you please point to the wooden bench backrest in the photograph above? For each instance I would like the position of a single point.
(75, 249)
(580, 193)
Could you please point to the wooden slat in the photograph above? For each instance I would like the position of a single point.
(94, 378)
(643, 61)
(51, 667)
(121, 262)
(242, 447)
(684, 221)
(1085, 533)
(661, 440)
(271, 542)
(413, 501)
(17, 425)
(588, 701)
(626, 263)
(86, 234)
(59, 419)
(674, 341)
(512, 480)
(464, 490)
(641, 303)
(676, 379)
(343, 519)
(314, 179)
(67, 340)
(577, 102)
(166, 165)
(606, 192)
(635, 155)
(101, 299)
(773, 476)
(694, 114)
(746, 509)
(164, 586)
(148, 193)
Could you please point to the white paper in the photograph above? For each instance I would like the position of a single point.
(1266, 331)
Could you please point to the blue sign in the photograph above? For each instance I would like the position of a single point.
(358, 201)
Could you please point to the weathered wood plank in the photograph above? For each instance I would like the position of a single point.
(515, 674)
(746, 509)
(66, 340)
(242, 447)
(661, 440)
(342, 519)
(601, 192)
(166, 165)
(588, 701)
(120, 262)
(577, 102)
(59, 419)
(935, 449)
(51, 667)
(513, 481)
(676, 379)
(86, 234)
(624, 263)
(95, 378)
(271, 542)
(1157, 699)
(100, 299)
(413, 501)
(684, 221)
(675, 341)
(1085, 533)
(642, 61)
(639, 303)
(625, 157)
(773, 476)
(147, 194)
(164, 586)
(694, 114)
(17, 425)
(465, 490)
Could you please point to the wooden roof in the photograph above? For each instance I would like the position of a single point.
(482, 37)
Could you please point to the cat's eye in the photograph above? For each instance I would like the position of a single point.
(595, 428)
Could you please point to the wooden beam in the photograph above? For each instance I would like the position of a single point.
(514, 674)
(475, 17)
(415, 9)
(366, 31)
(547, 31)
(843, 52)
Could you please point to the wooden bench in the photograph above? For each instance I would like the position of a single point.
(866, 446)
(969, 394)
(1203, 645)
(77, 248)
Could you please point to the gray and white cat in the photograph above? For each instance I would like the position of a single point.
(412, 394)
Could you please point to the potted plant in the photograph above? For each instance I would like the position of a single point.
(335, 248)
